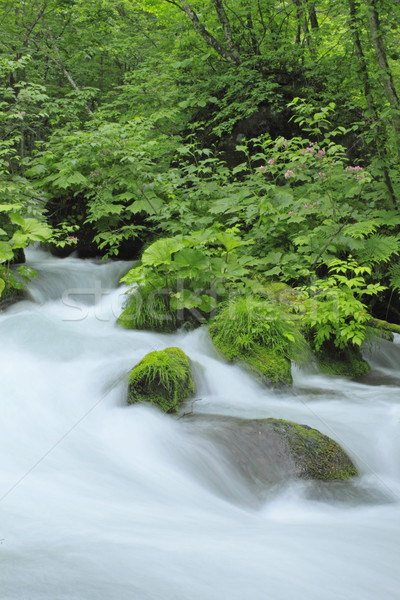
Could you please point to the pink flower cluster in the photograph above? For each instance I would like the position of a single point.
(357, 169)
(72, 238)
(307, 205)
(289, 173)
(263, 168)
(308, 150)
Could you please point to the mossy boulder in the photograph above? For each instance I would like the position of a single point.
(315, 455)
(345, 363)
(268, 365)
(267, 451)
(260, 334)
(162, 378)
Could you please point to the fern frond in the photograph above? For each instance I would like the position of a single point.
(379, 248)
(394, 276)
(361, 229)
(388, 218)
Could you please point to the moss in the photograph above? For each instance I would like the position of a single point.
(256, 332)
(316, 455)
(346, 363)
(376, 335)
(385, 335)
(162, 378)
(265, 363)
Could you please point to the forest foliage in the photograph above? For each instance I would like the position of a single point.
(229, 143)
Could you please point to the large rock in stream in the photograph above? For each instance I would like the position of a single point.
(269, 451)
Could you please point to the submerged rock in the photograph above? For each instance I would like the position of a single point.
(162, 378)
(268, 451)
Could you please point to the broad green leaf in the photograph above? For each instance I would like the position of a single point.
(161, 251)
(17, 218)
(230, 241)
(6, 252)
(37, 231)
(207, 303)
(190, 261)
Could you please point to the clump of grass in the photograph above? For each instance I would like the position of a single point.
(260, 332)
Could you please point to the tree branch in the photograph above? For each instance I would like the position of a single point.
(205, 34)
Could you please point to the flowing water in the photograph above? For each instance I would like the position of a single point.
(101, 501)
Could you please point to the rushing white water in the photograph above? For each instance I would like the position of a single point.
(101, 501)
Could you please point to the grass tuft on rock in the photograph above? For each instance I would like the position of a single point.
(260, 334)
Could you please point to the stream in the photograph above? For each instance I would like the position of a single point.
(104, 501)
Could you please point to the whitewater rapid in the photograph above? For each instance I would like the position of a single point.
(101, 501)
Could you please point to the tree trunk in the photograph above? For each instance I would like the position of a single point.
(313, 16)
(226, 27)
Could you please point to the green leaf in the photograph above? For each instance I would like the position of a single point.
(207, 303)
(161, 251)
(9, 207)
(190, 261)
(17, 218)
(229, 240)
(6, 252)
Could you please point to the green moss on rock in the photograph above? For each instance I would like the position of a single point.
(265, 363)
(316, 455)
(345, 363)
(259, 334)
(162, 378)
